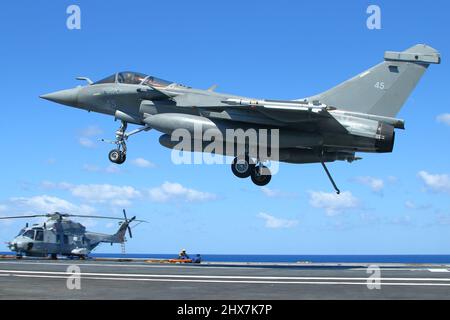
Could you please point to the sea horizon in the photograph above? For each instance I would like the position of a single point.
(316, 258)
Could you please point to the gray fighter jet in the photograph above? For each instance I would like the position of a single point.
(358, 115)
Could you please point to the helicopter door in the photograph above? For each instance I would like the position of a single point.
(39, 235)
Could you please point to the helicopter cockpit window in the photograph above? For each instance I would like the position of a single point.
(39, 235)
(130, 77)
(21, 232)
(110, 79)
(29, 234)
(156, 82)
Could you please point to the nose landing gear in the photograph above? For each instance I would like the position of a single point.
(119, 154)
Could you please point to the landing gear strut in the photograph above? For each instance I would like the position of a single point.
(119, 154)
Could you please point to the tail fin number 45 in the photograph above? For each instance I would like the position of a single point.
(379, 85)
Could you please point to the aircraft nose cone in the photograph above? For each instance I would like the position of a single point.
(20, 245)
(67, 97)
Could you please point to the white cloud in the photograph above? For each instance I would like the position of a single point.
(105, 193)
(170, 191)
(50, 161)
(411, 205)
(112, 168)
(123, 195)
(52, 185)
(333, 203)
(44, 204)
(273, 193)
(98, 193)
(91, 131)
(109, 169)
(143, 163)
(401, 220)
(86, 142)
(392, 179)
(91, 168)
(110, 225)
(444, 118)
(435, 182)
(375, 184)
(276, 223)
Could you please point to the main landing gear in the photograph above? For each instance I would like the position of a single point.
(244, 167)
(119, 154)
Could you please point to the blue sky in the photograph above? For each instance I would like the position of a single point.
(395, 203)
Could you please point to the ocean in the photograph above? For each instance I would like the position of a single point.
(297, 258)
(419, 258)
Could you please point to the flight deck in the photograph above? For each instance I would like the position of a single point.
(113, 279)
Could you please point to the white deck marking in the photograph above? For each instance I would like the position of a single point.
(438, 270)
(187, 276)
(239, 281)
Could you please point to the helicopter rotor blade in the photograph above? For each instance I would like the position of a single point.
(97, 217)
(125, 215)
(23, 217)
(61, 215)
(129, 232)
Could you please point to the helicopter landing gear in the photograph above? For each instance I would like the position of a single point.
(119, 154)
(19, 256)
(54, 256)
(244, 167)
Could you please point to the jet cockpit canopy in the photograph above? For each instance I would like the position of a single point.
(129, 77)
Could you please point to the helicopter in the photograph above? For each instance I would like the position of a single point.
(61, 236)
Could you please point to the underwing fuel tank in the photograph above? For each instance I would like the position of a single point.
(290, 155)
(202, 128)
(169, 122)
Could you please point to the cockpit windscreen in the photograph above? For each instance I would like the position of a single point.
(129, 77)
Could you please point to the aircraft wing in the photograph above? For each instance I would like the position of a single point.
(285, 111)
(302, 111)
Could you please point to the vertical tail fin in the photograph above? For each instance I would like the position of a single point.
(119, 236)
(383, 89)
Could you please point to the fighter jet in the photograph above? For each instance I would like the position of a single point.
(358, 115)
